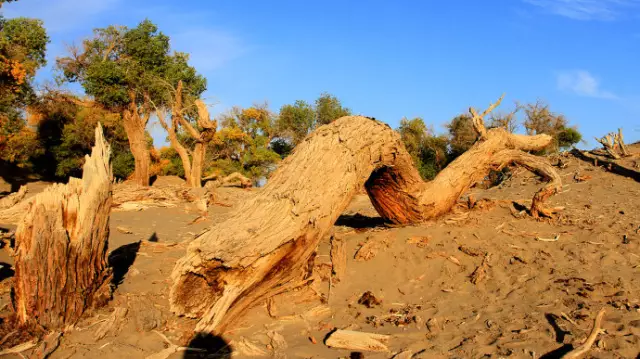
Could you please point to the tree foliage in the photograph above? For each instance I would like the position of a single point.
(328, 109)
(462, 134)
(243, 143)
(430, 153)
(22, 52)
(132, 71)
(65, 131)
(296, 121)
(540, 119)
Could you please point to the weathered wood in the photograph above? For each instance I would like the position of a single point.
(192, 160)
(12, 199)
(61, 246)
(611, 165)
(234, 178)
(338, 258)
(265, 246)
(581, 350)
(359, 341)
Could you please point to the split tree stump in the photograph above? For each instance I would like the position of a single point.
(265, 247)
(61, 246)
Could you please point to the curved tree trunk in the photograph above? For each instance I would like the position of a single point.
(264, 248)
(135, 126)
(61, 246)
(193, 164)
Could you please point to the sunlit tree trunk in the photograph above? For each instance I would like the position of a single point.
(265, 246)
(61, 247)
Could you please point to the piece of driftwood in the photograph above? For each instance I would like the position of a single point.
(61, 247)
(358, 341)
(265, 246)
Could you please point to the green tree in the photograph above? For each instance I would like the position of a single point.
(462, 134)
(429, 152)
(65, 131)
(126, 71)
(22, 52)
(296, 121)
(243, 143)
(540, 119)
(329, 109)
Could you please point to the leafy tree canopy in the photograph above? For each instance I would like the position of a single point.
(296, 121)
(328, 109)
(118, 65)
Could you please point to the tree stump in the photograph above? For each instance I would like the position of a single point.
(61, 246)
(265, 247)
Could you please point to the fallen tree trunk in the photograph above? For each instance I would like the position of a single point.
(215, 180)
(61, 246)
(611, 165)
(12, 199)
(265, 247)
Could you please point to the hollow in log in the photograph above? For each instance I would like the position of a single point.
(61, 245)
(264, 248)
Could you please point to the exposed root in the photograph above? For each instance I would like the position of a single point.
(539, 166)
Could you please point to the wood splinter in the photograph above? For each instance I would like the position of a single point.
(352, 340)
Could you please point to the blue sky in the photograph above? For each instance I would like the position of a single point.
(391, 59)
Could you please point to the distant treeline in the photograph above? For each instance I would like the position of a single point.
(131, 74)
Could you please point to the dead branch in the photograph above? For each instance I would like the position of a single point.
(352, 340)
(611, 165)
(586, 346)
(234, 178)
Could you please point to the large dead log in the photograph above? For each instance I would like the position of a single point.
(61, 246)
(265, 246)
(12, 199)
(611, 165)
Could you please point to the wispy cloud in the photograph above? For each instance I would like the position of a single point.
(61, 15)
(209, 49)
(582, 83)
(603, 10)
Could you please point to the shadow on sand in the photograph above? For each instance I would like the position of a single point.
(358, 221)
(209, 345)
(120, 259)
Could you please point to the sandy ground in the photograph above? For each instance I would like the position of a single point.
(535, 300)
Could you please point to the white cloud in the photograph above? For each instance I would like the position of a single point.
(60, 15)
(209, 49)
(605, 10)
(582, 83)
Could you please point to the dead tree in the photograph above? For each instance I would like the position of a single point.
(265, 247)
(192, 160)
(614, 145)
(12, 199)
(61, 246)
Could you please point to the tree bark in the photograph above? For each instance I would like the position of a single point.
(265, 247)
(135, 125)
(611, 165)
(192, 165)
(61, 245)
(12, 199)
(180, 149)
